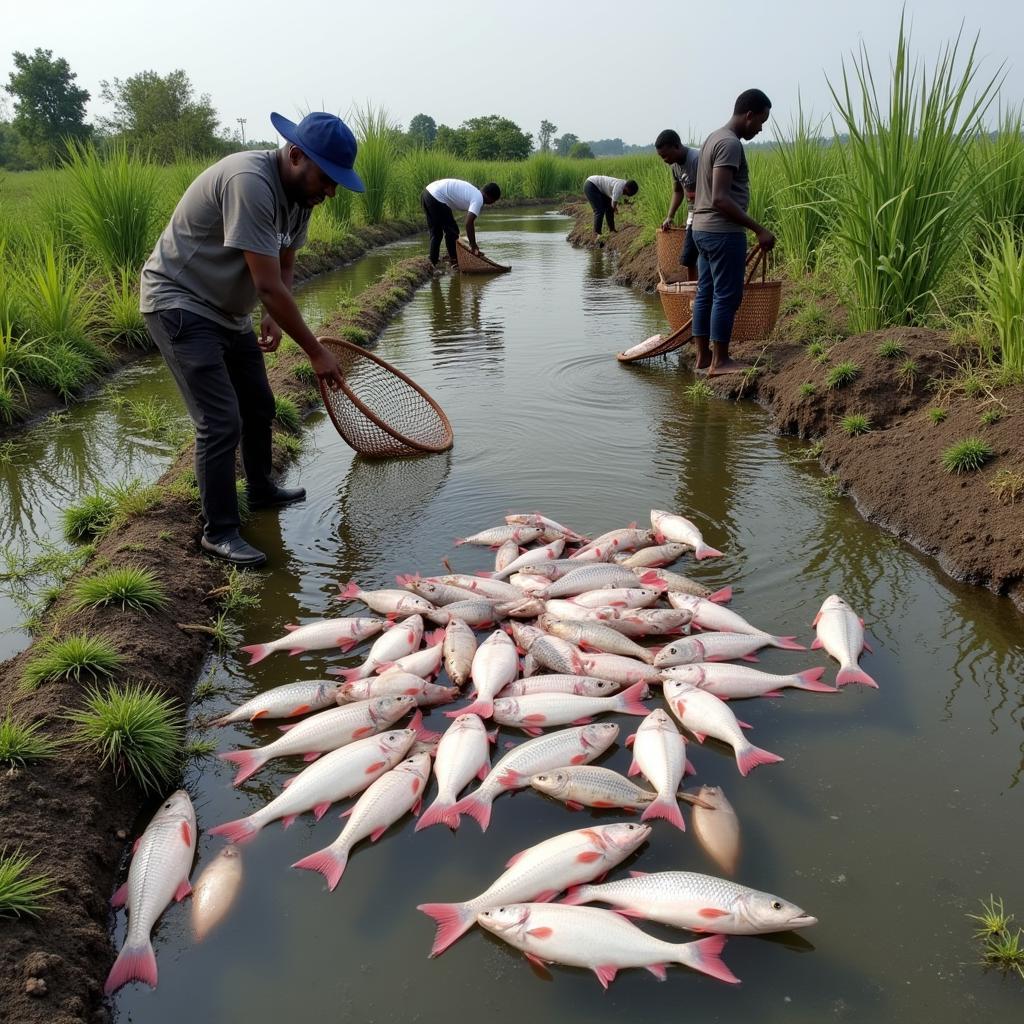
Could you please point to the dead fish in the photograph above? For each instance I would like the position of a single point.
(717, 827)
(668, 526)
(499, 535)
(506, 555)
(654, 557)
(286, 701)
(216, 890)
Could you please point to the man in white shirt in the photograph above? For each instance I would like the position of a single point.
(441, 198)
(603, 193)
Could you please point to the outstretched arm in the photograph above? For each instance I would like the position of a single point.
(677, 199)
(471, 231)
(721, 182)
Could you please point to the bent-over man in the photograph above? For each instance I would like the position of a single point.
(604, 193)
(440, 199)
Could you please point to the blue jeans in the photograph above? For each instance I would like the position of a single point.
(721, 265)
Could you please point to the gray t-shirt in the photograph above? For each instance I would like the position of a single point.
(237, 205)
(686, 175)
(722, 148)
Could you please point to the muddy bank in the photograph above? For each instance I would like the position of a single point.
(67, 812)
(893, 472)
(636, 264)
(315, 258)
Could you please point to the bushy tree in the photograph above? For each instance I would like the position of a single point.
(581, 151)
(48, 107)
(159, 114)
(486, 138)
(545, 135)
(565, 142)
(422, 130)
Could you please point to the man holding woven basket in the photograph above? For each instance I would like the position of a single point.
(682, 163)
(440, 199)
(720, 225)
(230, 244)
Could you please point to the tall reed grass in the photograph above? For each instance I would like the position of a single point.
(376, 161)
(998, 284)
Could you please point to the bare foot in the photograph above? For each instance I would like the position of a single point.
(724, 366)
(702, 363)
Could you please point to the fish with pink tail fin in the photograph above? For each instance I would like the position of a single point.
(495, 665)
(677, 528)
(540, 873)
(710, 615)
(319, 635)
(158, 874)
(539, 711)
(841, 633)
(734, 682)
(396, 643)
(704, 715)
(288, 701)
(601, 940)
(462, 755)
(549, 525)
(659, 751)
(395, 604)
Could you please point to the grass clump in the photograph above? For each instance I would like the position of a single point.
(156, 419)
(1008, 485)
(1003, 945)
(134, 731)
(907, 373)
(291, 444)
(72, 657)
(127, 586)
(937, 415)
(841, 374)
(832, 486)
(88, 518)
(891, 349)
(699, 391)
(23, 893)
(304, 373)
(286, 412)
(807, 389)
(967, 456)
(124, 322)
(856, 424)
(990, 416)
(357, 335)
(21, 743)
(818, 350)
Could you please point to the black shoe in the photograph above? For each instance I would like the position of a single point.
(278, 496)
(234, 550)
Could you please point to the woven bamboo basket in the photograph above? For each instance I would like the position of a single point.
(755, 319)
(669, 246)
(658, 345)
(379, 411)
(677, 301)
(476, 263)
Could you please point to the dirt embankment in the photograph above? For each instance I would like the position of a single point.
(893, 472)
(68, 812)
(636, 264)
(315, 258)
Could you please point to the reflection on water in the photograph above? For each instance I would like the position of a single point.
(894, 812)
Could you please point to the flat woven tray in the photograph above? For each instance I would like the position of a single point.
(473, 263)
(380, 411)
(658, 345)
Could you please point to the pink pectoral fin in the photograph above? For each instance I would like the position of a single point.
(816, 644)
(377, 833)
(634, 769)
(312, 756)
(183, 890)
(319, 810)
(120, 897)
(868, 648)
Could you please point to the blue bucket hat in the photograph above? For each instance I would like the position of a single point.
(328, 142)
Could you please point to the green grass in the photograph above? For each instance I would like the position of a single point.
(811, 322)
(78, 656)
(699, 391)
(997, 281)
(376, 161)
(239, 593)
(1008, 486)
(831, 486)
(818, 350)
(123, 320)
(157, 419)
(1003, 946)
(290, 444)
(356, 335)
(286, 412)
(991, 416)
(127, 587)
(856, 424)
(891, 349)
(807, 389)
(89, 517)
(967, 456)
(937, 415)
(134, 731)
(23, 893)
(907, 373)
(304, 373)
(841, 374)
(199, 749)
(21, 742)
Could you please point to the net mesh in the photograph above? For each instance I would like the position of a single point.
(379, 411)
(471, 263)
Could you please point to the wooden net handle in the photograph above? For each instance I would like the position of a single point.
(757, 257)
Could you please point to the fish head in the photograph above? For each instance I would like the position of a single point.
(680, 652)
(692, 675)
(657, 720)
(506, 706)
(587, 687)
(357, 690)
(397, 742)
(505, 920)
(417, 764)
(832, 602)
(390, 709)
(599, 736)
(623, 837)
(770, 913)
(554, 783)
(674, 687)
(177, 805)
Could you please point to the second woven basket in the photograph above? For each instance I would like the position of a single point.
(476, 263)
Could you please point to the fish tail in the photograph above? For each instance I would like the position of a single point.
(224, 720)
(350, 675)
(723, 596)
(453, 920)
(576, 895)
(438, 813)
(483, 708)
(477, 808)
(328, 861)
(133, 963)
(811, 680)
(257, 652)
(241, 830)
(704, 955)
(423, 734)
(748, 758)
(665, 808)
(349, 592)
(631, 700)
(855, 675)
(706, 551)
(787, 643)
(249, 763)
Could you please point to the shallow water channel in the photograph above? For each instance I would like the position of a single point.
(895, 811)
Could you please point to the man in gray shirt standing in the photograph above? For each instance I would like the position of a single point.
(720, 225)
(682, 163)
(231, 243)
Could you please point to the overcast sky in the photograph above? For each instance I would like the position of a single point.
(600, 69)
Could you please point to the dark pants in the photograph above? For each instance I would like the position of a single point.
(688, 256)
(720, 266)
(601, 205)
(440, 221)
(222, 377)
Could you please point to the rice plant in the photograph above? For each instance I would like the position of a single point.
(124, 322)
(126, 586)
(543, 176)
(699, 391)
(23, 893)
(114, 202)
(997, 166)
(357, 335)
(79, 656)
(157, 419)
(1008, 486)
(376, 161)
(997, 281)
(891, 349)
(807, 389)
(22, 742)
(286, 412)
(856, 424)
(304, 373)
(937, 415)
(89, 517)
(1003, 946)
(290, 444)
(132, 498)
(21, 360)
(967, 456)
(904, 198)
(841, 374)
(134, 731)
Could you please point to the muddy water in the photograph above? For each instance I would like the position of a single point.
(894, 811)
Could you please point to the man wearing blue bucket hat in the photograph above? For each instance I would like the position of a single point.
(231, 243)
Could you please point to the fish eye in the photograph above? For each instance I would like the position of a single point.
(776, 905)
